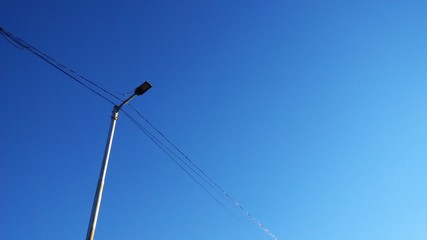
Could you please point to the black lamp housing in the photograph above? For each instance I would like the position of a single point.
(142, 89)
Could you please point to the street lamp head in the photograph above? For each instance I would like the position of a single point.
(142, 89)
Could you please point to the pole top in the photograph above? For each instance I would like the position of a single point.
(142, 89)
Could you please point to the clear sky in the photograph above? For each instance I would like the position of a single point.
(312, 114)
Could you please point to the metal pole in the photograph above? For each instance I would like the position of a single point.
(100, 187)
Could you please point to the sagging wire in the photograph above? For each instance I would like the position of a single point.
(21, 44)
(205, 177)
(173, 157)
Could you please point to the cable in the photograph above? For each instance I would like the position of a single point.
(10, 41)
(209, 180)
(166, 150)
(21, 44)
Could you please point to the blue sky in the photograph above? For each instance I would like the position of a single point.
(312, 114)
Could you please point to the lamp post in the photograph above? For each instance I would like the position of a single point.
(100, 187)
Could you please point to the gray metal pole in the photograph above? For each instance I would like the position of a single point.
(100, 187)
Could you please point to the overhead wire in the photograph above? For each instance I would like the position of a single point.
(10, 41)
(208, 179)
(191, 165)
(21, 44)
(173, 157)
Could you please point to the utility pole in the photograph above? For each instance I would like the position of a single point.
(100, 187)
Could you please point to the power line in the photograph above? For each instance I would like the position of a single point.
(173, 157)
(21, 44)
(202, 174)
(208, 179)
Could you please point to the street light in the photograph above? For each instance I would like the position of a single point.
(100, 187)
